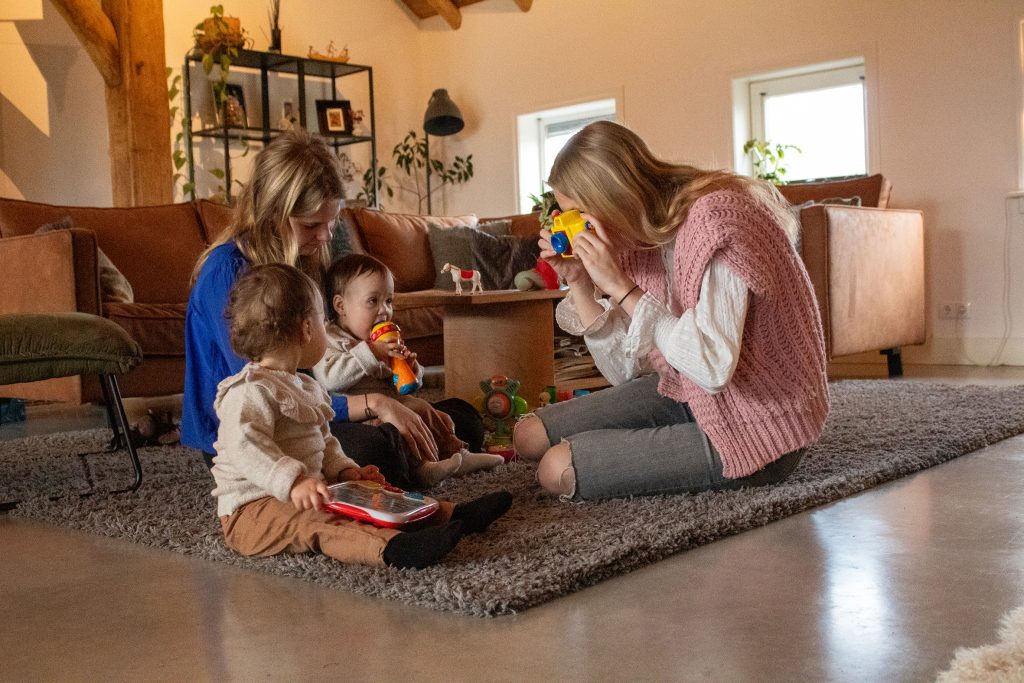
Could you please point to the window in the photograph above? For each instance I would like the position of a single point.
(821, 110)
(542, 134)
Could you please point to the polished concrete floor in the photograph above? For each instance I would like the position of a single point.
(881, 586)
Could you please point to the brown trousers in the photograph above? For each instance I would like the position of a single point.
(447, 443)
(267, 526)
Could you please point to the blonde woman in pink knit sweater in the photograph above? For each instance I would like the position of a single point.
(697, 309)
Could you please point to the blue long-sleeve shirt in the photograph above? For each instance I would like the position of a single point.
(209, 358)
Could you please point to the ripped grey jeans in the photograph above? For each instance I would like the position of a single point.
(631, 441)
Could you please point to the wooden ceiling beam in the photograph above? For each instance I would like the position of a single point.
(96, 33)
(451, 10)
(448, 11)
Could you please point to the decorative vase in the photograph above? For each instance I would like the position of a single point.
(275, 40)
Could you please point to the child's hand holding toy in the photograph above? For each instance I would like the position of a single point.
(308, 492)
(366, 473)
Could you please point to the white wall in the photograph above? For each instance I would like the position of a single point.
(53, 125)
(944, 88)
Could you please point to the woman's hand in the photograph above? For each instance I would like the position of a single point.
(410, 425)
(569, 270)
(365, 473)
(594, 250)
(308, 492)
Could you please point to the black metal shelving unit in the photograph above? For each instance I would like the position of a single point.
(268, 64)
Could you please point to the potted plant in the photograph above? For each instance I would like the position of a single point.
(219, 38)
(410, 155)
(768, 159)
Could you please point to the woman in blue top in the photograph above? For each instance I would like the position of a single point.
(285, 214)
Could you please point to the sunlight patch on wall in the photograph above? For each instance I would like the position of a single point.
(21, 10)
(21, 81)
(8, 188)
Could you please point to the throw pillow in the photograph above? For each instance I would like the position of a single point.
(114, 287)
(450, 244)
(500, 258)
(401, 242)
(496, 227)
(344, 240)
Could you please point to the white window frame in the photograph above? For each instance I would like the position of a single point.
(531, 132)
(748, 116)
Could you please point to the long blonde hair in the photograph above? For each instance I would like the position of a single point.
(612, 173)
(293, 176)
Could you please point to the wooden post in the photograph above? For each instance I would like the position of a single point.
(448, 10)
(126, 42)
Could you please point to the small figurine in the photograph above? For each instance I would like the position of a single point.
(357, 122)
(541, 276)
(331, 54)
(459, 275)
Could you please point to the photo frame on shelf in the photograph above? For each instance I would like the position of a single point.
(334, 117)
(232, 114)
(289, 116)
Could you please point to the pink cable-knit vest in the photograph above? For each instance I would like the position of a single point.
(777, 399)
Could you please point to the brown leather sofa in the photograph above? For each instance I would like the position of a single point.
(867, 267)
(156, 248)
(866, 263)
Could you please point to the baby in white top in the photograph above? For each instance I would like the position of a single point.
(362, 291)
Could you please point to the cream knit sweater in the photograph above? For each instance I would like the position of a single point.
(274, 426)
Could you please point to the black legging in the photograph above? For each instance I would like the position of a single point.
(384, 446)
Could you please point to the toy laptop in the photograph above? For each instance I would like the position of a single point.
(380, 505)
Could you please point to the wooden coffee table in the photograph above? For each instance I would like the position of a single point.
(503, 332)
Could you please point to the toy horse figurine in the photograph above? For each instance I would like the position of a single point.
(459, 275)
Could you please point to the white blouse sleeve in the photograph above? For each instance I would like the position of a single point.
(703, 343)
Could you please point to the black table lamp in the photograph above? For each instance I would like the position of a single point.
(442, 118)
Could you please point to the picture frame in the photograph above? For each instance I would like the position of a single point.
(334, 117)
(232, 114)
(289, 116)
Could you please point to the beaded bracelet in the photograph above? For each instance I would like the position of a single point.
(635, 287)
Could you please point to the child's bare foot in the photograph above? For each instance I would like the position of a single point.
(474, 462)
(430, 473)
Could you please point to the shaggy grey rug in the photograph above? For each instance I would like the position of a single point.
(878, 430)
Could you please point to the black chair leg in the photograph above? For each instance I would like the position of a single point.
(121, 439)
(894, 361)
(115, 441)
(115, 408)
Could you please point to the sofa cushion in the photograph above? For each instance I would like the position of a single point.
(401, 242)
(526, 224)
(500, 258)
(450, 244)
(158, 328)
(345, 237)
(171, 230)
(114, 286)
(874, 190)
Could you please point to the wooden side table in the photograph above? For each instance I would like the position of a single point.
(503, 332)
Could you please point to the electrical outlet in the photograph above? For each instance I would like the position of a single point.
(954, 311)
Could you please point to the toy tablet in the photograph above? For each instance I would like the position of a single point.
(380, 505)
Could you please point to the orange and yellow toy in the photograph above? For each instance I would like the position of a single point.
(401, 373)
(565, 226)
